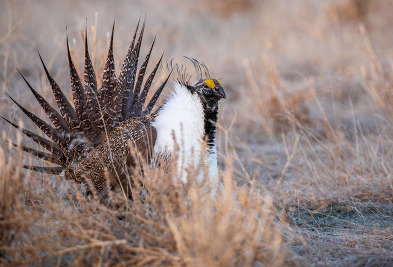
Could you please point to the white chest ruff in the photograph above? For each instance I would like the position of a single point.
(180, 125)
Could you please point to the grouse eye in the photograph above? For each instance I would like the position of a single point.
(205, 86)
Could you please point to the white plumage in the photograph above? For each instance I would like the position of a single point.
(182, 119)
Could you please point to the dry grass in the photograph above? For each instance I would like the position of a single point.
(305, 141)
(349, 11)
(166, 224)
(277, 106)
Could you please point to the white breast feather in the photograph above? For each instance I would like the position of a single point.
(182, 116)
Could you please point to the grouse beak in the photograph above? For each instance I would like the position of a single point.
(219, 91)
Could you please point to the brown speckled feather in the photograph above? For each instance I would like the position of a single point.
(106, 92)
(45, 143)
(97, 137)
(56, 119)
(65, 107)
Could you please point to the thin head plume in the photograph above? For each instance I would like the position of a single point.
(203, 68)
(206, 70)
(169, 64)
(197, 66)
(183, 77)
(181, 72)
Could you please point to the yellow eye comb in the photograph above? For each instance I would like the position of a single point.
(211, 84)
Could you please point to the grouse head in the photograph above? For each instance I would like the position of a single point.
(210, 91)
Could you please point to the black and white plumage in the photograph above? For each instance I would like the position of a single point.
(189, 118)
(91, 139)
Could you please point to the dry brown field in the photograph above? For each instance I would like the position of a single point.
(305, 140)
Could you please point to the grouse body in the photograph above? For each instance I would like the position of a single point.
(101, 138)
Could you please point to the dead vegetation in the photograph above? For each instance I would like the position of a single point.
(278, 106)
(349, 11)
(54, 222)
(305, 141)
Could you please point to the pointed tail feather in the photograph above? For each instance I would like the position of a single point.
(138, 86)
(92, 111)
(57, 120)
(78, 92)
(146, 89)
(79, 126)
(89, 74)
(65, 107)
(51, 132)
(155, 97)
(48, 170)
(126, 110)
(40, 154)
(109, 79)
(90, 87)
(126, 78)
(45, 143)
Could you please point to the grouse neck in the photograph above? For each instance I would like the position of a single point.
(210, 111)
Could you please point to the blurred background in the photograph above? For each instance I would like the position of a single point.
(267, 53)
(319, 64)
(324, 65)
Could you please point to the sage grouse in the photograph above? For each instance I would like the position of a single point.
(91, 140)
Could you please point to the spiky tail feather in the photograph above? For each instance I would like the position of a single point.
(83, 126)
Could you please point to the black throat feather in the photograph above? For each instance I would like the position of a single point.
(210, 110)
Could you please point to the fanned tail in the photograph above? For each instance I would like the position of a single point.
(79, 127)
(45, 143)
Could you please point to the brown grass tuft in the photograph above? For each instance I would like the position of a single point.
(349, 11)
(226, 8)
(168, 223)
(277, 105)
